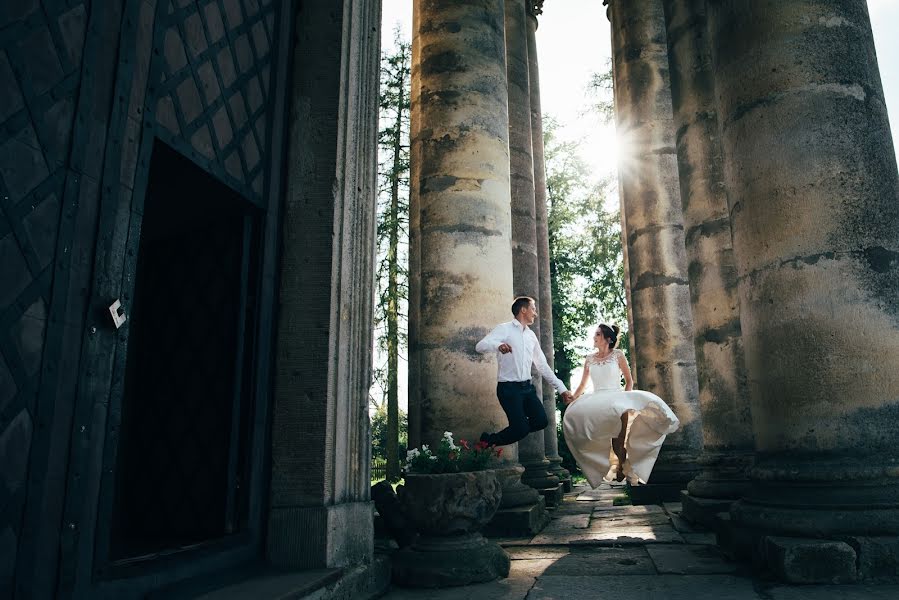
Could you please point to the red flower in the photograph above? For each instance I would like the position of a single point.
(464, 444)
(499, 451)
(481, 445)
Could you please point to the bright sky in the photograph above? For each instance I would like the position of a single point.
(573, 42)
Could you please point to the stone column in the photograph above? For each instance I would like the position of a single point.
(321, 515)
(723, 392)
(660, 298)
(464, 255)
(525, 272)
(550, 436)
(814, 203)
(462, 240)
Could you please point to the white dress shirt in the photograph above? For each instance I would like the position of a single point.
(516, 365)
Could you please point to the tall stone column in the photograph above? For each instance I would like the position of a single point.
(525, 271)
(321, 515)
(814, 202)
(723, 391)
(662, 326)
(550, 437)
(462, 230)
(461, 143)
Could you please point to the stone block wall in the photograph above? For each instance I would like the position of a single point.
(87, 89)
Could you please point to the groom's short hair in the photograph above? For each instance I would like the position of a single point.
(520, 303)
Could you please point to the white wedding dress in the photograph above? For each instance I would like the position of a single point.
(592, 421)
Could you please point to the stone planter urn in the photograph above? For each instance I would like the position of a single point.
(448, 510)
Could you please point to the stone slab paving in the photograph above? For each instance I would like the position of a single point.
(690, 560)
(593, 550)
(627, 587)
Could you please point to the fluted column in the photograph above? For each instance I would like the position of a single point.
(723, 392)
(814, 199)
(550, 437)
(662, 328)
(525, 271)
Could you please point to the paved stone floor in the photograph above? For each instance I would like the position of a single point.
(594, 550)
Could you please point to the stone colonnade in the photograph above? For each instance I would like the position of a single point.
(790, 198)
(760, 214)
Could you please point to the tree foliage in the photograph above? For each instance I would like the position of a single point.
(393, 235)
(586, 262)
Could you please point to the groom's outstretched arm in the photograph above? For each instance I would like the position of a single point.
(491, 342)
(546, 371)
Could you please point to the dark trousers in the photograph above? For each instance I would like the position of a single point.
(523, 409)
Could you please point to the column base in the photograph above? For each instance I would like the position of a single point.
(556, 468)
(435, 562)
(723, 476)
(799, 560)
(821, 497)
(519, 521)
(676, 467)
(703, 511)
(537, 474)
(515, 493)
(655, 493)
(553, 495)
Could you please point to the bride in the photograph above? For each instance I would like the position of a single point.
(596, 421)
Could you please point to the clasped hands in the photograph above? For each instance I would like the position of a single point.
(567, 396)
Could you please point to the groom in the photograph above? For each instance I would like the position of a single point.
(518, 349)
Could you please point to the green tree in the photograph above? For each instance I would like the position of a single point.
(393, 235)
(586, 262)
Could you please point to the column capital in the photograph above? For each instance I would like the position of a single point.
(535, 7)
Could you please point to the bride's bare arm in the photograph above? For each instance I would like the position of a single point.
(584, 377)
(626, 371)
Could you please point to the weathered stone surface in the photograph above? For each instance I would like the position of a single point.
(450, 503)
(703, 511)
(579, 521)
(689, 560)
(707, 539)
(514, 587)
(524, 520)
(447, 562)
(841, 592)
(798, 560)
(877, 556)
(592, 561)
(670, 587)
(631, 534)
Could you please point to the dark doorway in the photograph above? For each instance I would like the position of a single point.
(182, 463)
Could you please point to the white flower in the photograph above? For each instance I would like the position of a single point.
(425, 449)
(411, 454)
(448, 436)
(433, 457)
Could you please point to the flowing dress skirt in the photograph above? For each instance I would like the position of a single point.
(593, 420)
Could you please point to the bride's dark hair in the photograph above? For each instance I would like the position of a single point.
(610, 332)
